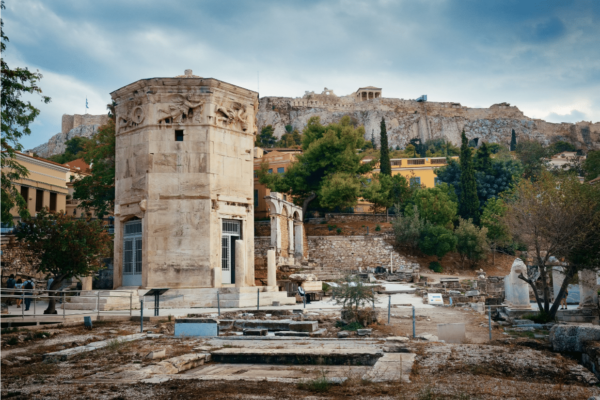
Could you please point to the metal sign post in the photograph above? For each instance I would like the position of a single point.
(142, 316)
(218, 303)
(414, 331)
(490, 321)
(389, 307)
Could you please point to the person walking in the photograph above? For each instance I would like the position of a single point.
(18, 292)
(28, 287)
(563, 302)
(10, 284)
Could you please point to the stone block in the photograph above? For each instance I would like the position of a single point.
(343, 334)
(153, 355)
(303, 326)
(196, 327)
(292, 334)
(364, 332)
(255, 332)
(572, 338)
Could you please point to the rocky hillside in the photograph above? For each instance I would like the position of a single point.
(407, 119)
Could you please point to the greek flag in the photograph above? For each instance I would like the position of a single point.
(86, 104)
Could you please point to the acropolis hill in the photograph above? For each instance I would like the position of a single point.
(407, 119)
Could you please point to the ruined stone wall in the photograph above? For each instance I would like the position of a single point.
(285, 237)
(357, 218)
(407, 119)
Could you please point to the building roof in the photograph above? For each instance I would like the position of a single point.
(78, 165)
(369, 87)
(39, 159)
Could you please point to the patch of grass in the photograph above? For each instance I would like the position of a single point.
(9, 330)
(352, 326)
(527, 334)
(116, 344)
(539, 318)
(319, 385)
(41, 335)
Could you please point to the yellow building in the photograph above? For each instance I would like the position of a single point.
(278, 160)
(418, 171)
(45, 186)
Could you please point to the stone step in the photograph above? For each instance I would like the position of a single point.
(364, 356)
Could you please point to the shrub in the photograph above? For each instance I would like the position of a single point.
(472, 242)
(436, 240)
(352, 326)
(539, 318)
(377, 228)
(435, 266)
(320, 384)
(339, 230)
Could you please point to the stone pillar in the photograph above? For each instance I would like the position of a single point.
(588, 294)
(558, 278)
(298, 241)
(517, 290)
(86, 282)
(290, 223)
(271, 268)
(240, 263)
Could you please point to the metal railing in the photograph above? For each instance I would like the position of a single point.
(37, 297)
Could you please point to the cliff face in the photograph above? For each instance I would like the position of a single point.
(72, 126)
(407, 119)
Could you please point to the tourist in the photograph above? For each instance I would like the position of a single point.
(19, 285)
(563, 302)
(10, 284)
(28, 287)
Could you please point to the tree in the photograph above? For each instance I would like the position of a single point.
(483, 159)
(74, 149)
(342, 191)
(436, 206)
(560, 146)
(468, 206)
(17, 115)
(411, 150)
(327, 151)
(471, 242)
(436, 240)
(290, 139)
(373, 141)
(351, 293)
(384, 161)
(492, 218)
(591, 165)
(407, 229)
(97, 191)
(384, 191)
(555, 216)
(266, 138)
(63, 247)
(440, 148)
(513, 141)
(533, 156)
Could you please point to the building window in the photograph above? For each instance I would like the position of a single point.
(255, 173)
(280, 170)
(255, 198)
(39, 200)
(419, 161)
(396, 163)
(53, 202)
(270, 170)
(416, 181)
(179, 135)
(25, 194)
(436, 181)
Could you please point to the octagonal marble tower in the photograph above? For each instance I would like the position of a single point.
(184, 183)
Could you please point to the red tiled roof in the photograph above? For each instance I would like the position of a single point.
(78, 165)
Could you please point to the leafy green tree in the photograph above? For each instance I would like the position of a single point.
(471, 242)
(266, 138)
(495, 148)
(407, 229)
(436, 205)
(420, 149)
(289, 128)
(74, 149)
(483, 159)
(384, 161)
(63, 247)
(327, 151)
(513, 141)
(411, 150)
(591, 165)
(384, 191)
(373, 141)
(492, 218)
(436, 240)
(560, 146)
(468, 206)
(17, 115)
(533, 156)
(290, 139)
(97, 191)
(352, 294)
(342, 191)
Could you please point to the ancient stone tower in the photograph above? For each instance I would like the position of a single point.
(184, 184)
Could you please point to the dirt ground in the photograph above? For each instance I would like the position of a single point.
(509, 367)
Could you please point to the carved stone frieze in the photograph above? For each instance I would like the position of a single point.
(183, 109)
(231, 114)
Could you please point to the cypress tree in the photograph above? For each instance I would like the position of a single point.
(468, 206)
(373, 141)
(384, 162)
(484, 159)
(513, 141)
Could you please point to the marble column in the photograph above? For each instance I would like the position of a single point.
(588, 292)
(558, 278)
(271, 268)
(240, 263)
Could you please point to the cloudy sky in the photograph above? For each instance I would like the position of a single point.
(543, 56)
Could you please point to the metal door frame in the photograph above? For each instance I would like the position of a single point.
(231, 231)
(132, 233)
